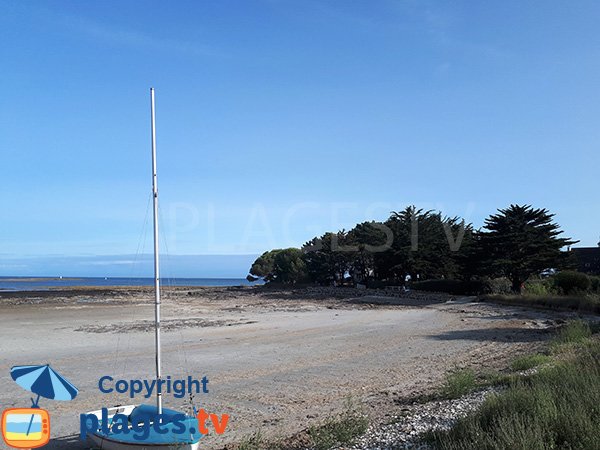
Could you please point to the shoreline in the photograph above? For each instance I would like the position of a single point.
(15, 284)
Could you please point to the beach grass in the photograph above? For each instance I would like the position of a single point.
(554, 408)
(340, 429)
(459, 382)
(527, 362)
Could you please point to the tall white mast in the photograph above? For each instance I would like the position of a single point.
(156, 265)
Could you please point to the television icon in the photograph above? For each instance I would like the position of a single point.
(26, 427)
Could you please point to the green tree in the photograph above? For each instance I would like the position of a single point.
(281, 265)
(425, 243)
(363, 243)
(327, 257)
(289, 266)
(264, 266)
(520, 241)
(469, 258)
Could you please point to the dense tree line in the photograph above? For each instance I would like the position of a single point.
(515, 243)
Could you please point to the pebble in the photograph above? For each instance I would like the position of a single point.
(405, 431)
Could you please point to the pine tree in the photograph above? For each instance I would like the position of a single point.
(520, 241)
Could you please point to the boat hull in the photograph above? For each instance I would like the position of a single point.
(105, 443)
(100, 439)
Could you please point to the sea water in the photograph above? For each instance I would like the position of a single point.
(43, 283)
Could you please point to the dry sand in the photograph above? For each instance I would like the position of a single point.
(277, 360)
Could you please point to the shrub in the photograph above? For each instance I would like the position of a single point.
(454, 287)
(594, 284)
(500, 286)
(538, 287)
(376, 284)
(570, 282)
(587, 303)
(458, 383)
(476, 287)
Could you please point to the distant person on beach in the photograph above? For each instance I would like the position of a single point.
(407, 279)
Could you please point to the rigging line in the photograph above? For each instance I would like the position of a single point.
(167, 285)
(133, 266)
(163, 236)
(183, 367)
(171, 294)
(140, 245)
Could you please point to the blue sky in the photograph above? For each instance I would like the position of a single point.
(280, 120)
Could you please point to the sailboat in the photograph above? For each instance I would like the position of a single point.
(174, 429)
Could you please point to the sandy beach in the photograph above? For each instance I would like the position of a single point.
(276, 360)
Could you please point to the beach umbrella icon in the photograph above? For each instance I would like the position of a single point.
(45, 382)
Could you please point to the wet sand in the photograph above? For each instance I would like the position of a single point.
(276, 360)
